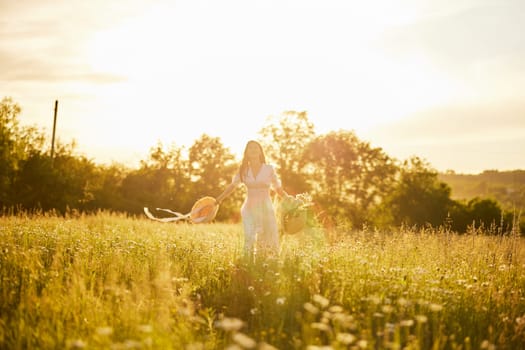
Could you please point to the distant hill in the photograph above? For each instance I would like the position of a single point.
(506, 187)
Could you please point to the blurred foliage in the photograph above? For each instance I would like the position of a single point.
(284, 139)
(418, 198)
(506, 187)
(352, 184)
(349, 178)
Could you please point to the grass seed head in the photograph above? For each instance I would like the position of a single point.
(243, 340)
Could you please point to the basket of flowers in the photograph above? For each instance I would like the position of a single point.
(294, 213)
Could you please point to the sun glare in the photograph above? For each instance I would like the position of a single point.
(155, 56)
(378, 91)
(136, 47)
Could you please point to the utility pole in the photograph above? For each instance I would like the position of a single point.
(54, 129)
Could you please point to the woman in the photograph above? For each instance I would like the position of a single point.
(257, 212)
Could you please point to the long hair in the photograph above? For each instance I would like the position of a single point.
(243, 169)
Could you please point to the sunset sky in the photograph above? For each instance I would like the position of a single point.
(440, 79)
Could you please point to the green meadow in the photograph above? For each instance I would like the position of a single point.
(108, 281)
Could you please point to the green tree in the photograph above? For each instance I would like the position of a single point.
(458, 217)
(106, 185)
(9, 150)
(348, 177)
(419, 198)
(211, 168)
(60, 183)
(161, 181)
(285, 139)
(479, 213)
(17, 145)
(485, 212)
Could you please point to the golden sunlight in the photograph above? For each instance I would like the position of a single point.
(152, 51)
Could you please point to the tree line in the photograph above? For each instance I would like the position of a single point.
(506, 187)
(352, 184)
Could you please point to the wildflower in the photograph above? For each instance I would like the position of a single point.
(421, 318)
(244, 340)
(280, 301)
(265, 346)
(104, 331)
(402, 302)
(436, 307)
(321, 300)
(323, 327)
(487, 345)
(520, 320)
(345, 338)
(327, 316)
(311, 308)
(251, 288)
(145, 328)
(406, 323)
(229, 324)
(387, 309)
(363, 344)
(375, 300)
(132, 344)
(336, 309)
(76, 344)
(344, 320)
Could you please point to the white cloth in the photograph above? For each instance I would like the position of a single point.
(257, 212)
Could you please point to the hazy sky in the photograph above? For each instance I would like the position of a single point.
(443, 79)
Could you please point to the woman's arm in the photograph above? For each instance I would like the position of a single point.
(281, 192)
(226, 192)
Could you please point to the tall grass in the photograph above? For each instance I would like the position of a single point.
(111, 282)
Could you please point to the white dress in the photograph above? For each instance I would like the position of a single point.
(257, 212)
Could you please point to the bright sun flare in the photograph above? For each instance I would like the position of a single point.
(155, 56)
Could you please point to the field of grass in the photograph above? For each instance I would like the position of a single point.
(111, 282)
